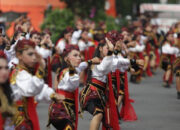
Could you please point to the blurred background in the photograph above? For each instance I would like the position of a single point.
(56, 15)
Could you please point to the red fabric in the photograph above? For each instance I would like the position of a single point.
(171, 78)
(76, 100)
(1, 122)
(148, 48)
(65, 93)
(148, 70)
(49, 80)
(114, 121)
(141, 55)
(91, 52)
(76, 107)
(118, 80)
(88, 54)
(86, 57)
(96, 43)
(127, 112)
(31, 109)
(98, 82)
(157, 57)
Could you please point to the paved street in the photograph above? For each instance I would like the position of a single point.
(157, 108)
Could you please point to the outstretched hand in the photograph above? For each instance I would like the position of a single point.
(109, 44)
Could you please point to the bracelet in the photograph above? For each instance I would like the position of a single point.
(116, 52)
(133, 61)
(89, 62)
(110, 53)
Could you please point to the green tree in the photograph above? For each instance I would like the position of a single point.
(57, 20)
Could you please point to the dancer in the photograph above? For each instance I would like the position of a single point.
(26, 82)
(64, 114)
(7, 110)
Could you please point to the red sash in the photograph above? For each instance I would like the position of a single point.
(1, 122)
(31, 109)
(66, 93)
(127, 112)
(114, 122)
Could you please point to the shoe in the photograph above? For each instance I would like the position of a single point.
(178, 95)
(166, 85)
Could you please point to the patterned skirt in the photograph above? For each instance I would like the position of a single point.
(62, 114)
(176, 66)
(92, 97)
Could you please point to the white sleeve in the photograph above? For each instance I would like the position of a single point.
(75, 36)
(44, 95)
(123, 62)
(61, 46)
(11, 52)
(105, 64)
(45, 53)
(81, 45)
(82, 66)
(167, 49)
(137, 48)
(27, 85)
(74, 80)
(69, 83)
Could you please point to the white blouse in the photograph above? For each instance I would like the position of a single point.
(137, 48)
(84, 46)
(61, 45)
(27, 85)
(168, 49)
(120, 63)
(71, 82)
(45, 53)
(108, 64)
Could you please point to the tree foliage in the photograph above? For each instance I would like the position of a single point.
(57, 20)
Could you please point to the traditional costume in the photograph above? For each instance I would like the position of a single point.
(93, 97)
(136, 52)
(27, 83)
(7, 110)
(167, 57)
(63, 115)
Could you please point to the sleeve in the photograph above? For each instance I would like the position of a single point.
(123, 62)
(105, 64)
(44, 52)
(137, 48)
(75, 36)
(74, 80)
(27, 85)
(167, 49)
(61, 46)
(44, 95)
(82, 66)
(81, 45)
(10, 53)
(69, 82)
